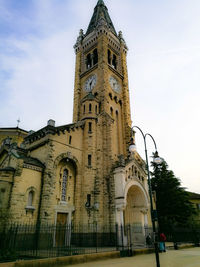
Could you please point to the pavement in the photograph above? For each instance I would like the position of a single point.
(189, 257)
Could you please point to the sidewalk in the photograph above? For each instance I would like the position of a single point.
(172, 258)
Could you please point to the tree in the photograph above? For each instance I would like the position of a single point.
(173, 205)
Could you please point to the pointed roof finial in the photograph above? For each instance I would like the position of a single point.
(97, 16)
(18, 121)
(100, 2)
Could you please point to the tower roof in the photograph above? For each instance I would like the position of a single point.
(100, 11)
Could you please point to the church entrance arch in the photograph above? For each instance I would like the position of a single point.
(135, 212)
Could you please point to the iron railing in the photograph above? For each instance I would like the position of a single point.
(23, 241)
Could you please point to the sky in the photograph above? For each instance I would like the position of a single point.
(37, 64)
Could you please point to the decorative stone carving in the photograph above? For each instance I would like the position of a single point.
(121, 39)
(79, 39)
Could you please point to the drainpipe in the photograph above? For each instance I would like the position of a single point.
(40, 201)
(38, 223)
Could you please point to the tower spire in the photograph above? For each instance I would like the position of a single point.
(100, 11)
(100, 2)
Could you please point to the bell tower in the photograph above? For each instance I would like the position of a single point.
(101, 100)
(101, 78)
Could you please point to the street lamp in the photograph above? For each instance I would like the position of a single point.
(157, 160)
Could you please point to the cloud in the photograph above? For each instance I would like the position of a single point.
(37, 75)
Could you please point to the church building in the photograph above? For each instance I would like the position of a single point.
(83, 172)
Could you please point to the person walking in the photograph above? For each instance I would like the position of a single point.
(162, 247)
(148, 240)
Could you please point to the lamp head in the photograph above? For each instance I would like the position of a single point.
(132, 147)
(156, 158)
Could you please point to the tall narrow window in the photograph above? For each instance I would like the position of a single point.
(83, 108)
(89, 160)
(109, 57)
(70, 139)
(99, 107)
(88, 203)
(30, 198)
(96, 109)
(90, 127)
(89, 61)
(90, 108)
(114, 62)
(111, 111)
(95, 56)
(117, 133)
(64, 185)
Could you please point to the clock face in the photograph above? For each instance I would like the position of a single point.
(115, 84)
(90, 83)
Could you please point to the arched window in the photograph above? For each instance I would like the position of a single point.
(90, 108)
(109, 57)
(95, 56)
(111, 111)
(90, 127)
(116, 100)
(30, 198)
(64, 185)
(70, 140)
(89, 160)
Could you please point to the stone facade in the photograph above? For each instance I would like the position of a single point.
(82, 173)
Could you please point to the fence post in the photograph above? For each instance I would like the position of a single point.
(174, 239)
(130, 241)
(37, 232)
(196, 238)
(122, 236)
(96, 237)
(116, 237)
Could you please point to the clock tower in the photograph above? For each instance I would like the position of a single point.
(101, 78)
(101, 100)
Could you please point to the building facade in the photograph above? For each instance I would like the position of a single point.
(195, 200)
(82, 173)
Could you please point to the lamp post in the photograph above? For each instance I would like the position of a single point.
(157, 160)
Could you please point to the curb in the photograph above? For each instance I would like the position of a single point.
(69, 260)
(143, 251)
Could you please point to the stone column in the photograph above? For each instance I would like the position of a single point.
(144, 211)
(122, 239)
(120, 204)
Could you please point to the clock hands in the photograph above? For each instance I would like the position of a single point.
(90, 85)
(114, 84)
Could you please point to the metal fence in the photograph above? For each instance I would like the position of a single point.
(44, 241)
(179, 235)
(41, 241)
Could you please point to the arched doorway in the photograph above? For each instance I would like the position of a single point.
(135, 206)
(135, 214)
(66, 171)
